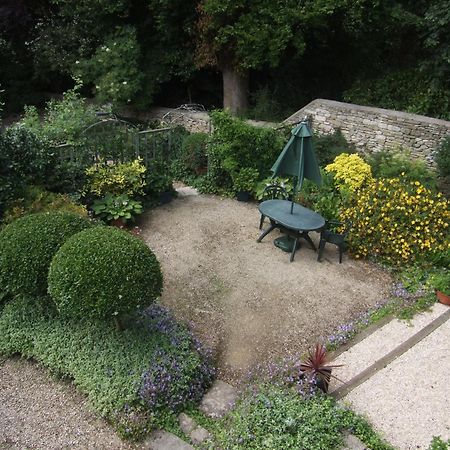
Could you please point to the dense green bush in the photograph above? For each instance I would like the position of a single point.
(278, 418)
(398, 163)
(328, 146)
(103, 272)
(133, 378)
(193, 152)
(443, 158)
(27, 247)
(234, 145)
(24, 159)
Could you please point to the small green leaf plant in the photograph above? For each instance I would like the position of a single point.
(112, 207)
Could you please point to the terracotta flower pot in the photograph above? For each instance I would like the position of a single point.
(443, 298)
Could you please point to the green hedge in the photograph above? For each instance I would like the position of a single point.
(103, 272)
(27, 247)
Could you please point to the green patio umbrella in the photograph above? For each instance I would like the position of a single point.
(298, 159)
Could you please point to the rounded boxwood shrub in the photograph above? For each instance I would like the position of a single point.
(27, 247)
(103, 272)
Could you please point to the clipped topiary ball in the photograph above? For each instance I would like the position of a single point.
(27, 247)
(103, 272)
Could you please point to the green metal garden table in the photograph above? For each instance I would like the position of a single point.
(296, 225)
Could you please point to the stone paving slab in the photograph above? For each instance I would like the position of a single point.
(162, 440)
(408, 401)
(219, 399)
(379, 343)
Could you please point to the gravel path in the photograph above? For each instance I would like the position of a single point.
(37, 412)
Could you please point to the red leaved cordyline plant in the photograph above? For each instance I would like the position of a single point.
(316, 367)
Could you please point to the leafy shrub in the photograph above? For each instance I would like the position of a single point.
(157, 180)
(37, 200)
(27, 247)
(64, 119)
(235, 144)
(103, 272)
(24, 159)
(116, 179)
(350, 171)
(397, 222)
(245, 180)
(327, 199)
(328, 146)
(278, 418)
(193, 152)
(397, 163)
(443, 157)
(115, 370)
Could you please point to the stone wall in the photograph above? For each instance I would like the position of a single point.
(375, 129)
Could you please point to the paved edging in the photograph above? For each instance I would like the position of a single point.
(388, 358)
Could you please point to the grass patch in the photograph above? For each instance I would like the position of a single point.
(136, 378)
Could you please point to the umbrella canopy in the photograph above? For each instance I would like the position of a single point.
(298, 158)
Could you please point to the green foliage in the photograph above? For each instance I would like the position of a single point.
(27, 247)
(328, 146)
(326, 199)
(64, 119)
(397, 163)
(438, 443)
(398, 222)
(279, 418)
(443, 157)
(408, 90)
(116, 179)
(441, 281)
(114, 68)
(108, 366)
(113, 207)
(158, 180)
(37, 200)
(245, 180)
(24, 159)
(193, 152)
(235, 144)
(103, 272)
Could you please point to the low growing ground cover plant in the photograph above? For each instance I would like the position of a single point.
(103, 272)
(136, 378)
(27, 247)
(276, 417)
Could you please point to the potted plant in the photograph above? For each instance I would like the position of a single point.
(244, 183)
(159, 186)
(116, 210)
(316, 369)
(441, 283)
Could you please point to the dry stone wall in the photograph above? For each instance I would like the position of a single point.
(375, 129)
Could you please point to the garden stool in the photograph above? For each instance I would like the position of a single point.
(329, 234)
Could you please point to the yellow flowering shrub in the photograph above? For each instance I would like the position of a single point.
(397, 221)
(116, 179)
(350, 171)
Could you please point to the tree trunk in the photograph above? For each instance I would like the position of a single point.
(235, 90)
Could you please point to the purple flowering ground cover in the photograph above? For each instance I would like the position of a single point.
(134, 378)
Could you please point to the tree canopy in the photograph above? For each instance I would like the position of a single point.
(271, 56)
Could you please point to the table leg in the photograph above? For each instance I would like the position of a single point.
(294, 248)
(305, 235)
(266, 232)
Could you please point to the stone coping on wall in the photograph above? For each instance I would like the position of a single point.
(352, 108)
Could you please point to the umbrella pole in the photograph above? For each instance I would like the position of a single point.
(299, 176)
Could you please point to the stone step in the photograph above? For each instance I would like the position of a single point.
(162, 440)
(219, 399)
